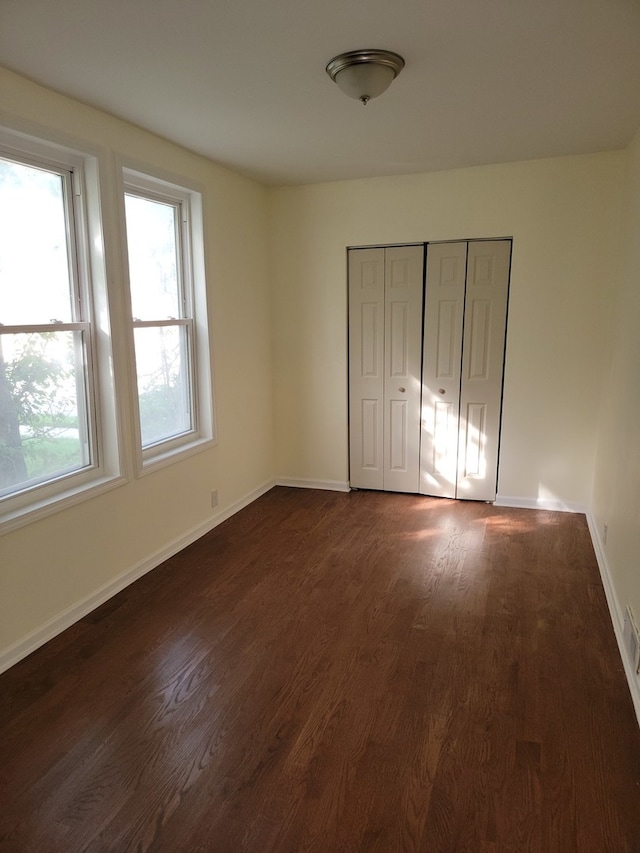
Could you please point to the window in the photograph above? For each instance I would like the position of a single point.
(168, 306)
(50, 439)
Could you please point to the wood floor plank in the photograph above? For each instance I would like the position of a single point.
(335, 672)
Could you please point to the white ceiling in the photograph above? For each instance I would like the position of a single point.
(243, 81)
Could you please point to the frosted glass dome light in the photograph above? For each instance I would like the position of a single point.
(365, 74)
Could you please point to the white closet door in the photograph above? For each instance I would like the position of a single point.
(444, 310)
(403, 356)
(482, 368)
(366, 367)
(465, 327)
(385, 352)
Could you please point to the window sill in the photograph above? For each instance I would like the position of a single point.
(14, 518)
(175, 454)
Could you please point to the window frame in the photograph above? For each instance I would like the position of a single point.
(193, 284)
(86, 258)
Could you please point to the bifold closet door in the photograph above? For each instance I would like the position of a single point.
(463, 365)
(385, 351)
(442, 362)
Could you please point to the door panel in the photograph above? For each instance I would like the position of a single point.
(403, 357)
(447, 339)
(370, 443)
(366, 367)
(444, 310)
(398, 436)
(482, 368)
(479, 338)
(473, 459)
(385, 352)
(369, 339)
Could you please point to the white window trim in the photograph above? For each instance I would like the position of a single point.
(170, 189)
(41, 500)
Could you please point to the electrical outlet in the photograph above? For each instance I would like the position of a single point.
(214, 498)
(605, 530)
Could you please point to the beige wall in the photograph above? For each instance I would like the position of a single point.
(563, 216)
(616, 494)
(50, 566)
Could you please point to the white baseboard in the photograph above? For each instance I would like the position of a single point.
(539, 503)
(616, 613)
(326, 485)
(41, 635)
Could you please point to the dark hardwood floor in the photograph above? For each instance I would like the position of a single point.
(335, 672)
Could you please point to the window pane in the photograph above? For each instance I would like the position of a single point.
(43, 410)
(35, 282)
(163, 382)
(153, 252)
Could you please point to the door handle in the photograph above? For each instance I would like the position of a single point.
(441, 391)
(402, 390)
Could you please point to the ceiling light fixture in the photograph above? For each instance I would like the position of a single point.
(365, 74)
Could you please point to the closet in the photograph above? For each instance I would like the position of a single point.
(426, 363)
